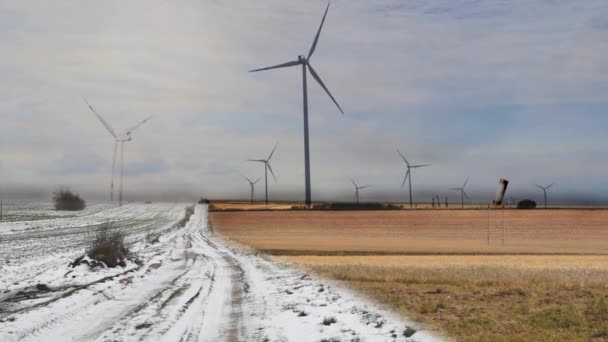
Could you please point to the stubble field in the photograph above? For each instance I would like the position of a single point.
(547, 282)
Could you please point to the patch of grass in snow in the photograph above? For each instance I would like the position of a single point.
(142, 326)
(329, 320)
(409, 332)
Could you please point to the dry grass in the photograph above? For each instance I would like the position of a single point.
(484, 298)
(419, 231)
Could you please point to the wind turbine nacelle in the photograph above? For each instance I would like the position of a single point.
(500, 193)
(124, 137)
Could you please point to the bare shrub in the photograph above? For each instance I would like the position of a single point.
(107, 248)
(64, 199)
(329, 320)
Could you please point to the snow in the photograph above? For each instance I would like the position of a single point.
(227, 293)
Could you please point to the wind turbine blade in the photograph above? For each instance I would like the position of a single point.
(103, 122)
(403, 157)
(272, 173)
(365, 186)
(455, 189)
(465, 195)
(355, 184)
(422, 165)
(316, 77)
(283, 65)
(407, 174)
(540, 187)
(259, 179)
(130, 130)
(314, 43)
(257, 160)
(552, 184)
(271, 153)
(466, 182)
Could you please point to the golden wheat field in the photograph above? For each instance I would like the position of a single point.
(543, 277)
(559, 231)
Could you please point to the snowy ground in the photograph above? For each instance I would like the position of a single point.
(227, 293)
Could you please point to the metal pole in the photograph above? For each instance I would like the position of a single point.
(251, 193)
(503, 225)
(306, 147)
(489, 224)
(1, 211)
(122, 169)
(113, 168)
(410, 179)
(266, 179)
(462, 198)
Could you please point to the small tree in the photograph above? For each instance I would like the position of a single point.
(64, 199)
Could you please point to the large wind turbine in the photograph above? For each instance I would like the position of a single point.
(544, 189)
(408, 174)
(252, 184)
(266, 168)
(357, 188)
(305, 63)
(463, 194)
(119, 139)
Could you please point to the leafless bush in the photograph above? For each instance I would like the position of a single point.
(107, 248)
(64, 199)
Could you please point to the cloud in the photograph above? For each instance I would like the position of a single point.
(146, 167)
(73, 163)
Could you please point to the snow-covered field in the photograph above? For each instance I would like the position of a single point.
(227, 293)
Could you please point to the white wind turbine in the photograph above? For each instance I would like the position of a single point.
(463, 194)
(357, 188)
(544, 189)
(408, 173)
(119, 139)
(304, 61)
(251, 184)
(267, 168)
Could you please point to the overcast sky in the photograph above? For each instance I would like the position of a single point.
(486, 89)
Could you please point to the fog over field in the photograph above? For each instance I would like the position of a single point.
(485, 89)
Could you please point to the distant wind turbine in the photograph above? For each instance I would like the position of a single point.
(266, 169)
(408, 174)
(119, 139)
(463, 194)
(357, 188)
(252, 184)
(305, 63)
(544, 189)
